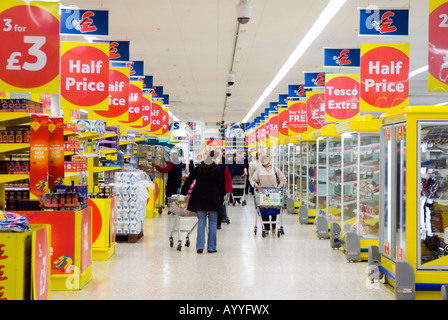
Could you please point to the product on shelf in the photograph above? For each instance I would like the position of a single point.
(131, 193)
(67, 197)
(21, 105)
(13, 222)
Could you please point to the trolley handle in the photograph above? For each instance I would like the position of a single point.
(276, 188)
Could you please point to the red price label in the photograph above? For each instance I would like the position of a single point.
(29, 59)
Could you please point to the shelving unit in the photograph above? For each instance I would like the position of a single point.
(9, 120)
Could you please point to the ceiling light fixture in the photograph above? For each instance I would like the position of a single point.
(319, 25)
(418, 71)
(442, 104)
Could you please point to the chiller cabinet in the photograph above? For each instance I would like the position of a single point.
(412, 253)
(307, 210)
(358, 187)
(327, 146)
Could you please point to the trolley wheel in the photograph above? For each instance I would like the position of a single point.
(279, 233)
(187, 242)
(233, 203)
(243, 203)
(171, 242)
(160, 210)
(263, 233)
(282, 231)
(255, 230)
(227, 220)
(179, 247)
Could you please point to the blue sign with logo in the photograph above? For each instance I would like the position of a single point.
(282, 99)
(384, 22)
(342, 57)
(137, 68)
(158, 93)
(84, 22)
(119, 51)
(314, 79)
(148, 84)
(296, 91)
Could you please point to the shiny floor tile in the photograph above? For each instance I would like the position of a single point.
(295, 266)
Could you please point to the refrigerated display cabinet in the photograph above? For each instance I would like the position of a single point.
(358, 187)
(327, 144)
(292, 177)
(413, 246)
(307, 210)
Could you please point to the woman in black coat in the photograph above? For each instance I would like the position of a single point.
(205, 200)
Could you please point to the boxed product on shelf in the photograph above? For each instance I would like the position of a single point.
(21, 105)
(131, 193)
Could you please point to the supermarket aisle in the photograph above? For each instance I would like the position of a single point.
(295, 266)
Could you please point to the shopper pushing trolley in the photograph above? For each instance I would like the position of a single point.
(268, 182)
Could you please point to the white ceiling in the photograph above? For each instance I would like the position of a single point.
(188, 46)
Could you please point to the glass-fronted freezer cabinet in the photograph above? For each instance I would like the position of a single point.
(307, 209)
(293, 178)
(359, 187)
(413, 246)
(327, 140)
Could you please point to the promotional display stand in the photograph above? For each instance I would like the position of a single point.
(24, 264)
(71, 240)
(307, 210)
(326, 140)
(358, 197)
(412, 252)
(103, 228)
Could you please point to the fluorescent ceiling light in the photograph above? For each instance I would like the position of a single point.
(172, 116)
(418, 71)
(442, 104)
(319, 25)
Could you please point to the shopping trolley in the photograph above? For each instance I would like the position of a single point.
(269, 202)
(177, 204)
(239, 189)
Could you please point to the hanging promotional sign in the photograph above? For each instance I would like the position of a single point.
(297, 120)
(159, 120)
(273, 128)
(56, 152)
(39, 155)
(315, 106)
(118, 98)
(314, 79)
(384, 77)
(341, 97)
(84, 22)
(29, 58)
(283, 123)
(438, 46)
(135, 104)
(383, 22)
(145, 114)
(341, 58)
(84, 76)
(119, 50)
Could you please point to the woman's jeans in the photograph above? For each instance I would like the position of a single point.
(212, 230)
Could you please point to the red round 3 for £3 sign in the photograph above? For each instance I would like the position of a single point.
(29, 58)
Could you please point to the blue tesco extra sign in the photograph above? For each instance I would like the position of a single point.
(384, 22)
(84, 22)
